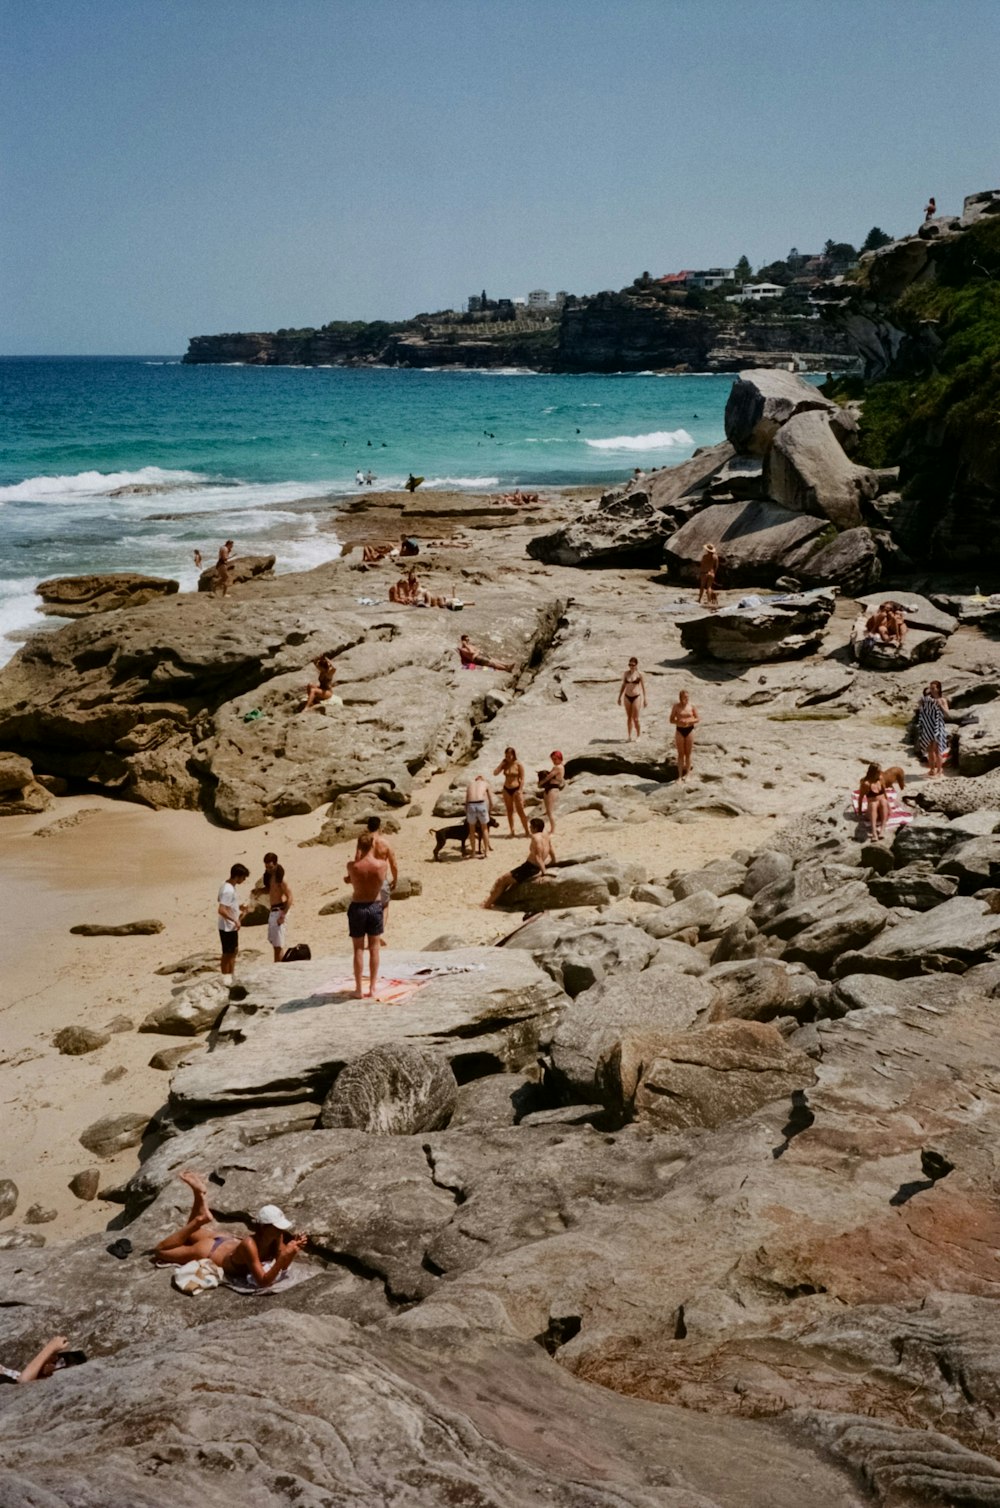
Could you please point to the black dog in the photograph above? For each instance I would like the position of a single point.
(457, 834)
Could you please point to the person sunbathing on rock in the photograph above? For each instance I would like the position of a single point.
(53, 1357)
(872, 791)
(261, 1256)
(540, 853)
(471, 656)
(321, 689)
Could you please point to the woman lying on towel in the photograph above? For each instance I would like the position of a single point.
(262, 1255)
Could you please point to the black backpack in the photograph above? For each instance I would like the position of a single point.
(298, 954)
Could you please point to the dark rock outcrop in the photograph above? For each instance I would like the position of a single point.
(242, 568)
(777, 629)
(76, 596)
(393, 1090)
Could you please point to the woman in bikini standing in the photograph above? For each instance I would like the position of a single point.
(685, 718)
(632, 688)
(513, 789)
(550, 783)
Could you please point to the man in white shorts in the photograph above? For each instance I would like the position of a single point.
(280, 900)
(478, 810)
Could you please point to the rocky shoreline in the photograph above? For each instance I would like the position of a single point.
(693, 1192)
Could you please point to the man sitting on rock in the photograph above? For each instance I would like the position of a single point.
(540, 853)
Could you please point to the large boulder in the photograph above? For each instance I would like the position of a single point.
(718, 1074)
(576, 885)
(817, 930)
(76, 596)
(761, 401)
(288, 1033)
(192, 1008)
(20, 793)
(953, 936)
(780, 628)
(393, 1090)
(578, 954)
(242, 568)
(756, 541)
(808, 470)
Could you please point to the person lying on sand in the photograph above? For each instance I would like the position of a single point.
(540, 853)
(372, 554)
(470, 656)
(262, 1255)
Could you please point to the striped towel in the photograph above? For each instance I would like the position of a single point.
(899, 815)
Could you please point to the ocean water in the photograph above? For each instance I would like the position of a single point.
(263, 455)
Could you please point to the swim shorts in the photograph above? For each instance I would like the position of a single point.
(525, 871)
(477, 811)
(230, 942)
(276, 930)
(364, 919)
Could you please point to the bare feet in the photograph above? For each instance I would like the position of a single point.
(193, 1181)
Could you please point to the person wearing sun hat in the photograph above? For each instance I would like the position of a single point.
(550, 783)
(258, 1258)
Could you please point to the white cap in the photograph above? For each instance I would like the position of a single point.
(269, 1214)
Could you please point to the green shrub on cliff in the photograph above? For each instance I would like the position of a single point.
(943, 423)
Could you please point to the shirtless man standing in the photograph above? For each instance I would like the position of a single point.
(478, 810)
(383, 850)
(279, 897)
(365, 875)
(540, 853)
(223, 570)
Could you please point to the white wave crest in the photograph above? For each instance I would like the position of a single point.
(96, 483)
(462, 481)
(658, 439)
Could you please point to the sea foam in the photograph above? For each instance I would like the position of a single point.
(96, 483)
(658, 439)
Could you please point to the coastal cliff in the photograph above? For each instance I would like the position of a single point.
(629, 331)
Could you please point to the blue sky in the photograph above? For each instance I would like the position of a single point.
(173, 167)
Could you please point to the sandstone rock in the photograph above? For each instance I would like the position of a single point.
(193, 1008)
(698, 910)
(975, 864)
(922, 840)
(8, 1197)
(741, 939)
(759, 989)
(600, 1045)
(557, 889)
(761, 401)
(242, 568)
(123, 929)
(807, 470)
(764, 869)
(119, 1024)
(721, 877)
(76, 596)
(36, 1215)
(393, 1090)
(915, 886)
(817, 931)
(917, 648)
(756, 542)
(578, 955)
(920, 612)
(72, 1041)
(85, 1183)
(499, 1099)
(293, 1030)
(17, 1240)
(169, 1058)
(113, 1133)
(20, 793)
(717, 1074)
(953, 936)
(851, 560)
(776, 630)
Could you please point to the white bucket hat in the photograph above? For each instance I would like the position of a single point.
(269, 1214)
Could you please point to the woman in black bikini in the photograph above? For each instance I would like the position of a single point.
(685, 718)
(321, 689)
(513, 789)
(633, 687)
(872, 789)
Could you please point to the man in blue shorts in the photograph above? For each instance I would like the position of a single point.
(366, 876)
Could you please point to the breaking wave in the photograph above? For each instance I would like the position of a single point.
(658, 439)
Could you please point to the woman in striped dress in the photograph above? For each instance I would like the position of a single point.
(932, 731)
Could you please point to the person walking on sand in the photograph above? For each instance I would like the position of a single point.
(280, 903)
(383, 850)
(707, 572)
(513, 788)
(261, 1256)
(685, 718)
(228, 910)
(470, 657)
(365, 923)
(320, 690)
(540, 853)
(223, 569)
(550, 783)
(632, 689)
(478, 810)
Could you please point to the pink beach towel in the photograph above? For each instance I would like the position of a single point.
(899, 815)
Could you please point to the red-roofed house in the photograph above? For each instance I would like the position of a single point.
(676, 279)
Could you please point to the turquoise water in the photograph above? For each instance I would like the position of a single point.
(262, 455)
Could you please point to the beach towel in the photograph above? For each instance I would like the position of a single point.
(899, 815)
(197, 1277)
(291, 1276)
(388, 991)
